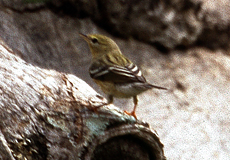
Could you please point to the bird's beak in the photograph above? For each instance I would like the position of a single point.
(85, 37)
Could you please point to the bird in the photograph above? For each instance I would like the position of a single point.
(116, 75)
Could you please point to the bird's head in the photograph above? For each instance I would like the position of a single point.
(100, 45)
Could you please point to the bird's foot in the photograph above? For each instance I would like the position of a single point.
(94, 105)
(131, 114)
(101, 105)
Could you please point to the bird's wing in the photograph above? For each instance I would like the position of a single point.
(117, 74)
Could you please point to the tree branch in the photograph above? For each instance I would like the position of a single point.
(45, 114)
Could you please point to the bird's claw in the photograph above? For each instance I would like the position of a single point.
(131, 114)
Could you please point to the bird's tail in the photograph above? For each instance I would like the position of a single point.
(158, 87)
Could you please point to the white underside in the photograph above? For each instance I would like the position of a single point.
(131, 89)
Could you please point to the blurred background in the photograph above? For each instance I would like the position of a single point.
(182, 45)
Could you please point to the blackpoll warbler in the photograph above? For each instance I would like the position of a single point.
(113, 72)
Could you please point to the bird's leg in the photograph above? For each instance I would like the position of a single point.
(110, 99)
(133, 113)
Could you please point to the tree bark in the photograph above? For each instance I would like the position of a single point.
(45, 114)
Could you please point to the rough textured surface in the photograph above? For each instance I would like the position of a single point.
(49, 115)
(192, 119)
(165, 24)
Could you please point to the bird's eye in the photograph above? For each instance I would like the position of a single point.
(94, 40)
